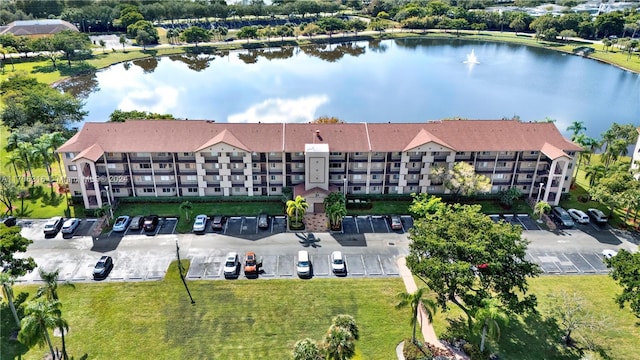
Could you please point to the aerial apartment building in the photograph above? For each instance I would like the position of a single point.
(182, 158)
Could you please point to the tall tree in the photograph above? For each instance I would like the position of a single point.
(462, 180)
(6, 281)
(576, 127)
(542, 207)
(614, 187)
(50, 292)
(414, 301)
(8, 192)
(488, 318)
(464, 257)
(196, 34)
(11, 243)
(186, 206)
(347, 322)
(296, 209)
(625, 268)
(40, 317)
(570, 310)
(594, 173)
(336, 208)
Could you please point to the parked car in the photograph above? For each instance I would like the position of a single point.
(136, 223)
(231, 265)
(396, 222)
(562, 217)
(608, 253)
(151, 223)
(263, 221)
(579, 216)
(53, 225)
(303, 266)
(121, 223)
(8, 221)
(200, 223)
(598, 216)
(103, 267)
(337, 263)
(251, 264)
(218, 222)
(70, 225)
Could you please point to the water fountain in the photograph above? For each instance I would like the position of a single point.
(471, 58)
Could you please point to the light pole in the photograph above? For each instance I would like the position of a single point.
(345, 186)
(539, 192)
(106, 190)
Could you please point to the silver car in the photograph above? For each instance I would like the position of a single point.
(70, 225)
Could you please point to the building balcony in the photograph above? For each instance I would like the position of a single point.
(414, 171)
(185, 160)
(137, 159)
(504, 170)
(526, 170)
(142, 172)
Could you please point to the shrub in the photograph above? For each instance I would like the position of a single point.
(416, 351)
(474, 352)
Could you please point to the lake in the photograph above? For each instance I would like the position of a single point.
(408, 80)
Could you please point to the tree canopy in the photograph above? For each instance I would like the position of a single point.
(464, 257)
(11, 242)
(625, 269)
(122, 116)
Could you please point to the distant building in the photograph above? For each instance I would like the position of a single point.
(635, 159)
(178, 158)
(37, 28)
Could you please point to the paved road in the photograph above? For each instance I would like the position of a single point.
(140, 257)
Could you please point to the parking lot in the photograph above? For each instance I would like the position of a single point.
(247, 227)
(367, 224)
(166, 226)
(284, 266)
(560, 262)
(34, 229)
(522, 220)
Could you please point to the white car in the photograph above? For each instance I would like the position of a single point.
(200, 223)
(337, 263)
(231, 265)
(608, 253)
(579, 216)
(597, 215)
(70, 225)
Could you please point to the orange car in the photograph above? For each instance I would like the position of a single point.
(251, 264)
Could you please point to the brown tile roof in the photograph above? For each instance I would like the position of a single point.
(191, 135)
(553, 152)
(92, 153)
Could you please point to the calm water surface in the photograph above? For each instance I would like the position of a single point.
(389, 81)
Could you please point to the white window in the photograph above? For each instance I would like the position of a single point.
(299, 177)
(166, 178)
(162, 154)
(238, 177)
(70, 155)
(111, 166)
(214, 154)
(192, 178)
(299, 166)
(216, 166)
(359, 165)
(498, 176)
(143, 154)
(299, 154)
(216, 178)
(146, 178)
(73, 168)
(357, 177)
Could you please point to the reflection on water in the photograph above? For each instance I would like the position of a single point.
(404, 80)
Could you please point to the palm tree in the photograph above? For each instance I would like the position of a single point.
(7, 281)
(336, 208)
(56, 140)
(40, 316)
(489, 316)
(593, 173)
(339, 344)
(542, 207)
(50, 292)
(186, 206)
(349, 323)
(103, 210)
(414, 300)
(306, 349)
(42, 150)
(294, 207)
(576, 127)
(617, 148)
(15, 160)
(25, 151)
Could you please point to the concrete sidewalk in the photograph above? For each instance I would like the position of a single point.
(428, 333)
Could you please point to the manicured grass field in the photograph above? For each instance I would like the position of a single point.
(241, 319)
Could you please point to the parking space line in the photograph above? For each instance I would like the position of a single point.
(567, 265)
(588, 263)
(357, 227)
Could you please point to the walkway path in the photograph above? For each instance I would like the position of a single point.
(427, 329)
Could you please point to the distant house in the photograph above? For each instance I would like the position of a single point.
(635, 161)
(37, 28)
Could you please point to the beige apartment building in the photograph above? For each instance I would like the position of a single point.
(181, 158)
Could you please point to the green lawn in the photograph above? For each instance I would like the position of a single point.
(241, 319)
(537, 338)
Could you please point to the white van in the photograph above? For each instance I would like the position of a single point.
(304, 265)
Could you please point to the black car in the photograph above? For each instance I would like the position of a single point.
(103, 267)
(150, 223)
(8, 221)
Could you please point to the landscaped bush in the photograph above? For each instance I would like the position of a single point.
(197, 199)
(417, 351)
(358, 204)
(474, 352)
